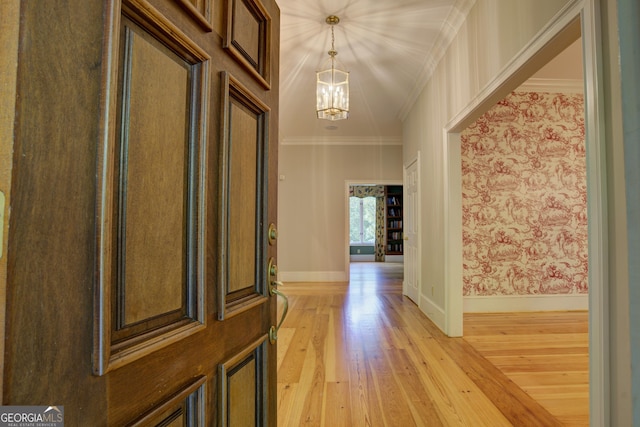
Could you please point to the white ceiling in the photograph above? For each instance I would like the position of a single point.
(566, 66)
(385, 45)
(388, 46)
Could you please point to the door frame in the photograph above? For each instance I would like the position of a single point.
(347, 183)
(583, 15)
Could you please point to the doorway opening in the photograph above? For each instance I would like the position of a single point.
(362, 228)
(575, 22)
(524, 223)
(360, 198)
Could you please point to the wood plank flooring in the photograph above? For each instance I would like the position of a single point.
(361, 354)
(546, 354)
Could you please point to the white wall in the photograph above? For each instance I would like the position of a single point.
(312, 239)
(628, 13)
(619, 303)
(494, 33)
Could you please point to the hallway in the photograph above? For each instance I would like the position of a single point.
(359, 353)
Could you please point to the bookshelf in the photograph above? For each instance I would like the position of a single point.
(393, 220)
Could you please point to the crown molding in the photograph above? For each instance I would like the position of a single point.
(552, 85)
(342, 141)
(447, 33)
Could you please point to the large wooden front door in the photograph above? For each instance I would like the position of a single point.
(145, 156)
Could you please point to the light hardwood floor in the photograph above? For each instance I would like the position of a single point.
(360, 354)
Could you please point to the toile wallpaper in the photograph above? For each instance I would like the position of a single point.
(524, 196)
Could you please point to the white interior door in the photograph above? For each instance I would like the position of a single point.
(411, 285)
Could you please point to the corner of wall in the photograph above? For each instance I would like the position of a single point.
(434, 312)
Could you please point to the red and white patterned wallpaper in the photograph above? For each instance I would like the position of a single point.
(524, 194)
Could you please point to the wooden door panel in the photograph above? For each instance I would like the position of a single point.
(242, 159)
(185, 408)
(248, 37)
(200, 10)
(153, 185)
(152, 180)
(137, 286)
(243, 393)
(148, 383)
(243, 190)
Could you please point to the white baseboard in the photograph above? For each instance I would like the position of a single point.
(432, 311)
(313, 276)
(501, 304)
(362, 258)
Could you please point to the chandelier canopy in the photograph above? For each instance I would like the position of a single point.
(332, 84)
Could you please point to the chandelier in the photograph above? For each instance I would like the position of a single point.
(332, 85)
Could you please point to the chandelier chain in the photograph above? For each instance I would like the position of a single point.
(333, 40)
(332, 52)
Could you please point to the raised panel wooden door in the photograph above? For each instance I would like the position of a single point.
(144, 192)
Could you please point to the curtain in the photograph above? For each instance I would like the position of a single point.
(362, 191)
(376, 191)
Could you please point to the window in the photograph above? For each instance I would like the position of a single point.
(362, 222)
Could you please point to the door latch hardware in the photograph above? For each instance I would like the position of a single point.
(273, 331)
(272, 235)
